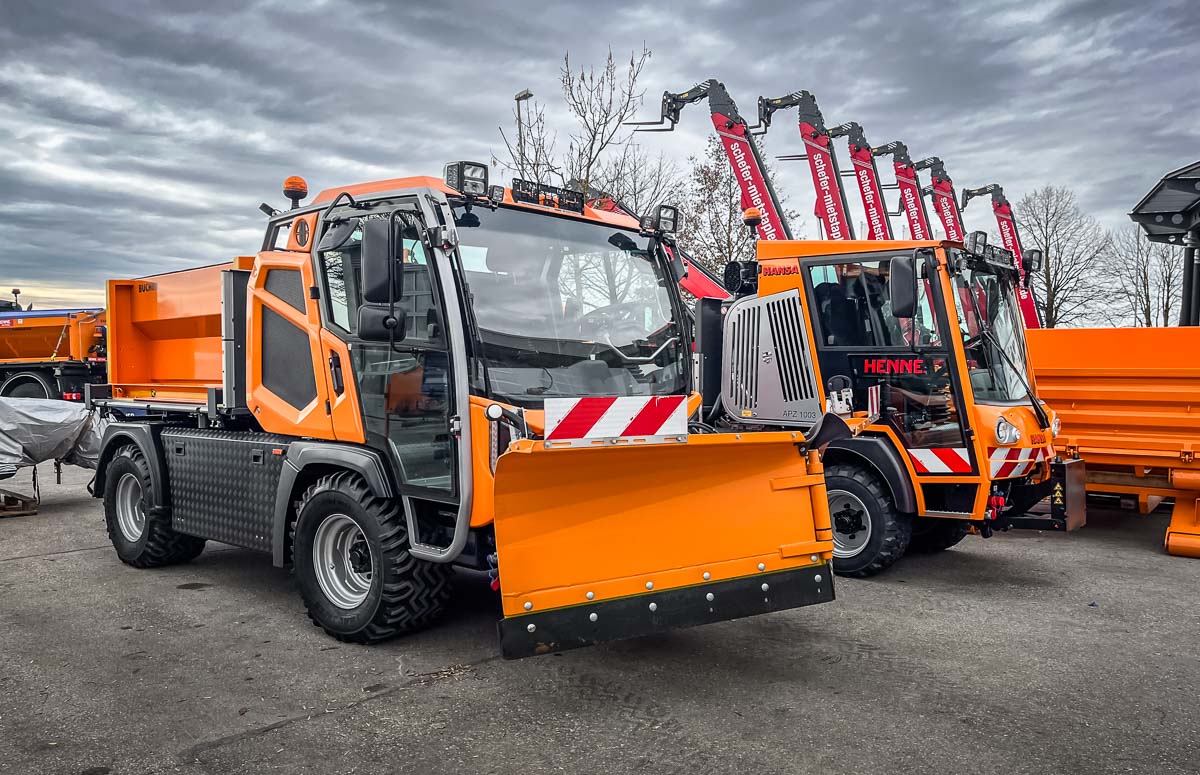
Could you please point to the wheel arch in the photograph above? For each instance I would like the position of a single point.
(45, 378)
(145, 438)
(308, 461)
(878, 455)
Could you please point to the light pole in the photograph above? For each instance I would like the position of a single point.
(520, 97)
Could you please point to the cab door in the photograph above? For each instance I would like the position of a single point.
(404, 392)
(910, 359)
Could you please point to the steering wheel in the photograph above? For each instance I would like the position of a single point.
(626, 317)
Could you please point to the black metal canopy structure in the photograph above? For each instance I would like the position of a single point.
(1170, 213)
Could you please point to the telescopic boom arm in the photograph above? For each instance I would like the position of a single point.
(911, 202)
(866, 174)
(945, 203)
(831, 207)
(738, 141)
(1011, 238)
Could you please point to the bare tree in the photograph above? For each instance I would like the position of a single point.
(1072, 244)
(637, 180)
(601, 101)
(711, 228)
(531, 155)
(1145, 279)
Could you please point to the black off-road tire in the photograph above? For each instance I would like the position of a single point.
(934, 534)
(27, 385)
(159, 544)
(405, 594)
(890, 529)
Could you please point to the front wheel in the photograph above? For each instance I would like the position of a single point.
(352, 564)
(869, 534)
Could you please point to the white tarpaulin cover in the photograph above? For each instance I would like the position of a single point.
(34, 430)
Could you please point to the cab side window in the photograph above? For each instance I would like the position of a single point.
(853, 307)
(342, 270)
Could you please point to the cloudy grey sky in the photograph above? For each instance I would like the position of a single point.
(140, 137)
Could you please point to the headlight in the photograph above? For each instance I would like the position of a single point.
(1055, 427)
(1006, 432)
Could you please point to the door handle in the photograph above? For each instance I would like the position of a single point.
(335, 372)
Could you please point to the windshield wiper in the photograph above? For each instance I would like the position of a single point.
(647, 359)
(1039, 412)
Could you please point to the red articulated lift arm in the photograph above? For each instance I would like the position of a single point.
(740, 148)
(1002, 209)
(831, 207)
(911, 202)
(945, 203)
(866, 174)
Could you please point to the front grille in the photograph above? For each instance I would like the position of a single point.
(789, 335)
(742, 386)
(769, 375)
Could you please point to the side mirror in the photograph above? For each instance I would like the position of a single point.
(902, 286)
(378, 257)
(377, 324)
(1031, 261)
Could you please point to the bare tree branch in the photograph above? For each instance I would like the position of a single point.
(711, 220)
(532, 155)
(601, 102)
(1072, 244)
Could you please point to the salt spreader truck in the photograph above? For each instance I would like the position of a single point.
(50, 353)
(419, 373)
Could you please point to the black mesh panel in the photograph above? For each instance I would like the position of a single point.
(286, 285)
(287, 369)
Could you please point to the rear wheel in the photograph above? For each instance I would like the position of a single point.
(869, 534)
(934, 534)
(353, 567)
(142, 538)
(26, 385)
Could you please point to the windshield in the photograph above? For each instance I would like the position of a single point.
(985, 299)
(568, 308)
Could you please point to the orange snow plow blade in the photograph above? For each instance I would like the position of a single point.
(600, 543)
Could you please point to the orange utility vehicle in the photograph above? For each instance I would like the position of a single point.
(419, 373)
(1129, 396)
(50, 353)
(1128, 399)
(934, 352)
(924, 339)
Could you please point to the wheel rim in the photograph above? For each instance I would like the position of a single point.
(131, 517)
(343, 561)
(851, 524)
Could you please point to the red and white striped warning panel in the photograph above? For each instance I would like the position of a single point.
(1011, 461)
(873, 404)
(653, 420)
(941, 460)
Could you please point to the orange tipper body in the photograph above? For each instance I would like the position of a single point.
(51, 353)
(945, 437)
(1128, 398)
(310, 392)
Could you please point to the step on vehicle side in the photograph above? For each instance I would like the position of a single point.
(419, 373)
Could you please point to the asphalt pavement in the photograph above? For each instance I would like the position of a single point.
(1024, 653)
